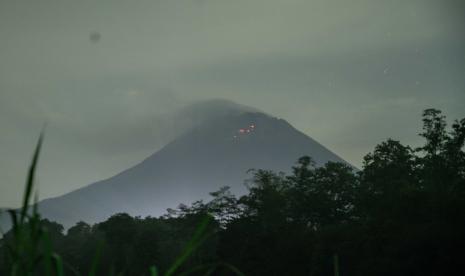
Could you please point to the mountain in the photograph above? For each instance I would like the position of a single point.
(218, 151)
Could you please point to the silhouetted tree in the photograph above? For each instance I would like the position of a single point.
(402, 214)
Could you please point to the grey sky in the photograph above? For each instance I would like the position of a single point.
(348, 73)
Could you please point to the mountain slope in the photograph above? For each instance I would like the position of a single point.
(216, 153)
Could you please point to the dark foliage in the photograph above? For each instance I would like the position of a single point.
(402, 214)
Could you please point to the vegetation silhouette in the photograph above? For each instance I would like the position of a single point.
(402, 214)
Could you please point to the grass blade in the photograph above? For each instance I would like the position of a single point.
(199, 268)
(336, 264)
(58, 264)
(153, 271)
(233, 269)
(96, 259)
(35, 206)
(48, 252)
(30, 178)
(210, 271)
(196, 240)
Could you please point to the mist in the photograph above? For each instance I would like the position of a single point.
(108, 76)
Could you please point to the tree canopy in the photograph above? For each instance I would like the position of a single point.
(403, 213)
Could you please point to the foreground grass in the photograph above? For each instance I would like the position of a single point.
(30, 251)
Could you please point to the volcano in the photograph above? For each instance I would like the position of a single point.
(219, 151)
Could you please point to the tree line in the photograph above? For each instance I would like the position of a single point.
(403, 213)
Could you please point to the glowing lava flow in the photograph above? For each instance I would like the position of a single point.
(246, 130)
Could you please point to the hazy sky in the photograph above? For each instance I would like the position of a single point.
(105, 74)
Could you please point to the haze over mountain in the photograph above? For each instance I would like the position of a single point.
(224, 142)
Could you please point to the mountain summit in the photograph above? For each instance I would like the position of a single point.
(218, 151)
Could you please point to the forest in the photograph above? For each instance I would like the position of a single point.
(402, 213)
